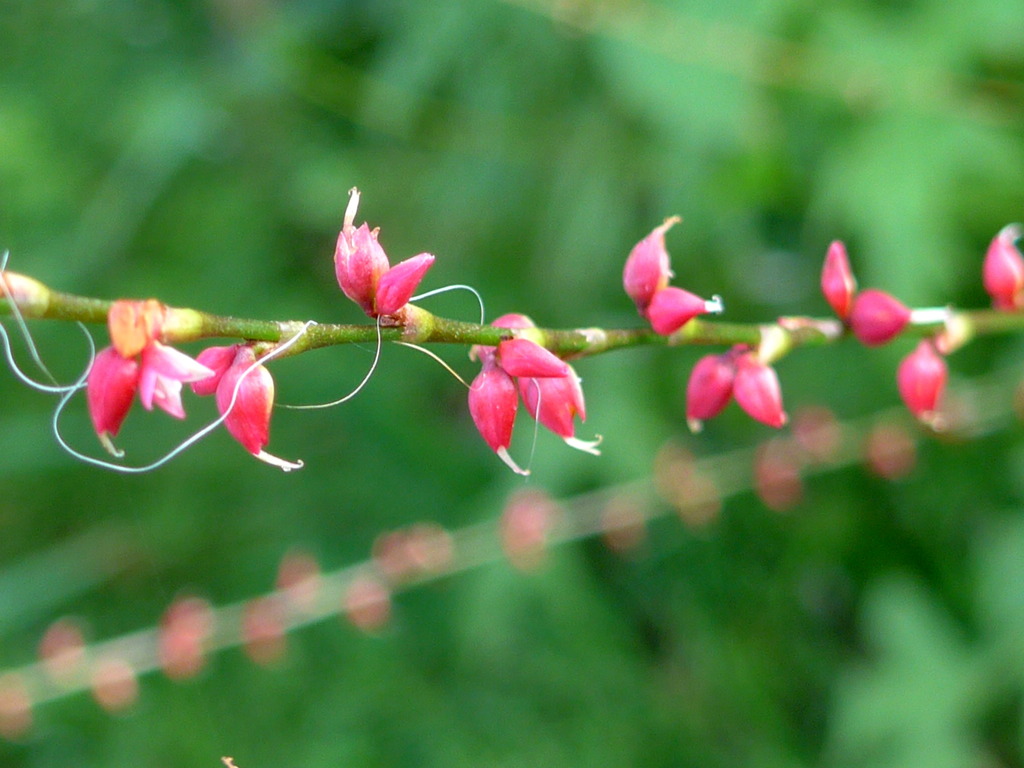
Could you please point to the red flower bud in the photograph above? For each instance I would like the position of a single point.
(1003, 270)
(647, 269)
(110, 388)
(877, 317)
(359, 261)
(397, 285)
(248, 421)
(218, 360)
(671, 308)
(757, 391)
(522, 357)
(709, 388)
(554, 402)
(492, 404)
(921, 379)
(837, 281)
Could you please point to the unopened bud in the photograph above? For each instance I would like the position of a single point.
(758, 392)
(647, 269)
(877, 317)
(921, 379)
(671, 308)
(1003, 270)
(709, 389)
(837, 281)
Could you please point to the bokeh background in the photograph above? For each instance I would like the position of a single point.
(201, 151)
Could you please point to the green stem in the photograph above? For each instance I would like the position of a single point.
(416, 325)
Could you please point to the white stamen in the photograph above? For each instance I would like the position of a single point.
(715, 306)
(274, 461)
(510, 462)
(587, 446)
(350, 209)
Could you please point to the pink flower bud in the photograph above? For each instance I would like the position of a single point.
(248, 421)
(837, 281)
(921, 379)
(514, 320)
(110, 388)
(757, 391)
(218, 360)
(397, 285)
(522, 357)
(359, 261)
(877, 317)
(1003, 270)
(492, 404)
(671, 308)
(709, 388)
(555, 402)
(647, 269)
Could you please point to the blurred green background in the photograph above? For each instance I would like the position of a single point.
(201, 152)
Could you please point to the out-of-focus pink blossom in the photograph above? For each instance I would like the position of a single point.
(877, 317)
(647, 268)
(921, 379)
(758, 392)
(1003, 269)
(709, 388)
(837, 281)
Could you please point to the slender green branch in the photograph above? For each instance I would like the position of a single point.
(417, 325)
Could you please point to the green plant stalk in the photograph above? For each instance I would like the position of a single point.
(418, 326)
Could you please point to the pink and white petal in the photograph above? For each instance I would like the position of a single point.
(169, 362)
(167, 395)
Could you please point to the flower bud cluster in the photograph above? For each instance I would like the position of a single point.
(364, 272)
(876, 318)
(738, 373)
(137, 362)
(645, 278)
(518, 367)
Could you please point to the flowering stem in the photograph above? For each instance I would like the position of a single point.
(416, 325)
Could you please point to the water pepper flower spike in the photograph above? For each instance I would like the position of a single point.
(877, 317)
(757, 391)
(709, 388)
(1003, 270)
(837, 280)
(647, 268)
(364, 272)
(921, 379)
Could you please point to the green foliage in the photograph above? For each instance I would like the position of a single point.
(201, 152)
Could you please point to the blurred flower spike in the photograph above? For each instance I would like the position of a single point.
(245, 397)
(364, 272)
(645, 278)
(1003, 269)
(921, 379)
(548, 385)
(738, 373)
(137, 362)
